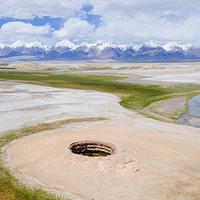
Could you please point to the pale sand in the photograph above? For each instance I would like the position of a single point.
(171, 106)
(28, 105)
(154, 161)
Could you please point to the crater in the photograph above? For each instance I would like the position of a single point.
(92, 148)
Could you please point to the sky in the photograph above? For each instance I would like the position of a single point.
(123, 22)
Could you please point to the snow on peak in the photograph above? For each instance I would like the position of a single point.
(18, 43)
(187, 46)
(134, 46)
(150, 44)
(99, 42)
(122, 47)
(66, 44)
(105, 45)
(2, 45)
(37, 44)
(99, 45)
(85, 44)
(171, 46)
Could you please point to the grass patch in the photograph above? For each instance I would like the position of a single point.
(133, 96)
(10, 187)
(4, 64)
(174, 114)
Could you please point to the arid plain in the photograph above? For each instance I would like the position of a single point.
(156, 144)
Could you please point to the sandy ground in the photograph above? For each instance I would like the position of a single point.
(23, 105)
(169, 106)
(168, 110)
(154, 160)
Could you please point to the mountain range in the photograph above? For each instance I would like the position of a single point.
(66, 50)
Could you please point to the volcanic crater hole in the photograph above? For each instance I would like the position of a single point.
(92, 148)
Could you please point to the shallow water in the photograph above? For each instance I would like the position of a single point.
(194, 106)
(181, 119)
(192, 118)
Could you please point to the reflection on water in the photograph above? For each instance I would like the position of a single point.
(194, 106)
(181, 119)
(192, 118)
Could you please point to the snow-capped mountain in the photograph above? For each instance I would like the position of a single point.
(133, 46)
(151, 44)
(186, 47)
(66, 50)
(37, 44)
(20, 43)
(2, 45)
(123, 47)
(65, 44)
(173, 46)
(150, 50)
(17, 44)
(85, 45)
(101, 45)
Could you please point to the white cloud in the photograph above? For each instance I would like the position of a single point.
(23, 9)
(12, 31)
(75, 29)
(24, 28)
(122, 21)
(144, 20)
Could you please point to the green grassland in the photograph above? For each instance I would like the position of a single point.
(133, 96)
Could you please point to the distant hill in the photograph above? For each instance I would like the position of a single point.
(66, 50)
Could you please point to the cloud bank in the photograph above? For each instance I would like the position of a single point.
(120, 21)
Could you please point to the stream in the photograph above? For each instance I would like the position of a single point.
(192, 118)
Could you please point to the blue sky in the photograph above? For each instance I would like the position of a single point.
(91, 20)
(57, 22)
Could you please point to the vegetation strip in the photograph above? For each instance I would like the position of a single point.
(133, 96)
(10, 187)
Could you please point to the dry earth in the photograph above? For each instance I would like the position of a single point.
(154, 160)
(23, 105)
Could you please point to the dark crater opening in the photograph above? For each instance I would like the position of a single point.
(92, 148)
